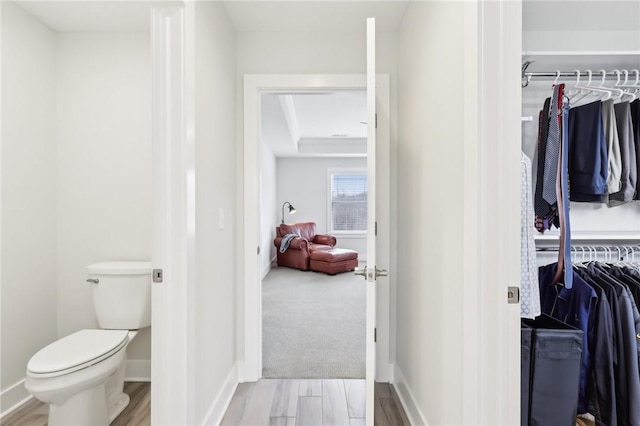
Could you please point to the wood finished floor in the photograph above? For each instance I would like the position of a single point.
(138, 412)
(285, 402)
(289, 402)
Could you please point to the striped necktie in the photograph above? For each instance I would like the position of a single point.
(552, 153)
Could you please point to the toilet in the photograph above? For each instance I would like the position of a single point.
(81, 376)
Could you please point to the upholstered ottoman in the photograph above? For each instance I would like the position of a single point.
(333, 261)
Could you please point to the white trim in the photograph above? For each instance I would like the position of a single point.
(267, 269)
(223, 399)
(371, 285)
(408, 401)
(16, 407)
(18, 392)
(138, 370)
(249, 344)
(173, 213)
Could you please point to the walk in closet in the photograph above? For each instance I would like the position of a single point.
(581, 163)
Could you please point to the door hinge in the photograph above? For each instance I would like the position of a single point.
(375, 334)
(157, 275)
(376, 120)
(375, 231)
(258, 250)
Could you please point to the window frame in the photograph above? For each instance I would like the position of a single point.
(343, 171)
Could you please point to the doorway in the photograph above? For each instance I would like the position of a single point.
(313, 157)
(255, 85)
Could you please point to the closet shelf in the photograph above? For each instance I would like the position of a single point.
(550, 239)
(583, 60)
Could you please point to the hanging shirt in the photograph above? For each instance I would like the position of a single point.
(529, 288)
(576, 307)
(628, 155)
(613, 147)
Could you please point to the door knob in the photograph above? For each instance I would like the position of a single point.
(362, 272)
(381, 272)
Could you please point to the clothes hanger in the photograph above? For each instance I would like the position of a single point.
(624, 85)
(619, 92)
(627, 85)
(588, 89)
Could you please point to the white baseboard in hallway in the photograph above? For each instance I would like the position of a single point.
(223, 399)
(412, 410)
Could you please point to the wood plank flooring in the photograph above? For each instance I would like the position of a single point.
(278, 402)
(138, 412)
(290, 402)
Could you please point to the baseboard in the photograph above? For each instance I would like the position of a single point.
(13, 397)
(266, 270)
(138, 371)
(223, 399)
(416, 417)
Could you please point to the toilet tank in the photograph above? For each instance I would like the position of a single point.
(121, 294)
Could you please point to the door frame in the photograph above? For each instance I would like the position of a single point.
(491, 326)
(173, 242)
(249, 345)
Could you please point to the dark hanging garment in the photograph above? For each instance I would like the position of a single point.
(601, 392)
(541, 206)
(588, 156)
(576, 307)
(635, 120)
(626, 376)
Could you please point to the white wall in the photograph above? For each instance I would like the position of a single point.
(594, 26)
(304, 183)
(29, 185)
(104, 165)
(430, 217)
(215, 329)
(268, 208)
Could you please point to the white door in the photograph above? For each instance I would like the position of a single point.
(370, 272)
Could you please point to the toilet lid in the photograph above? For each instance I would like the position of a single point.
(77, 351)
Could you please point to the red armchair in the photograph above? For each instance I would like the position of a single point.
(300, 248)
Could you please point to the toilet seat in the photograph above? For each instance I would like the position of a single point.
(76, 351)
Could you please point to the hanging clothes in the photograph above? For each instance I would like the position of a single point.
(529, 288)
(588, 156)
(635, 121)
(613, 148)
(604, 304)
(628, 153)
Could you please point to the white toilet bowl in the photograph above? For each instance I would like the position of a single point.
(81, 376)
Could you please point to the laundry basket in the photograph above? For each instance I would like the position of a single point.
(554, 371)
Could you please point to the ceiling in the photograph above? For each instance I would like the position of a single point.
(132, 15)
(314, 15)
(315, 124)
(90, 16)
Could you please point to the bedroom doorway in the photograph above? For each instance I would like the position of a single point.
(313, 157)
(251, 296)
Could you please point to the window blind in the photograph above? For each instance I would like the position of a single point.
(349, 202)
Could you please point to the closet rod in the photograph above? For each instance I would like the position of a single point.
(594, 74)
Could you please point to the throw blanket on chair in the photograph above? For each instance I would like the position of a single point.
(286, 240)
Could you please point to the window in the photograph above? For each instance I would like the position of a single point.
(348, 202)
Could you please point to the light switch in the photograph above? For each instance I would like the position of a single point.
(221, 218)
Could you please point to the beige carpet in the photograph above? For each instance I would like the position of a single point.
(313, 325)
